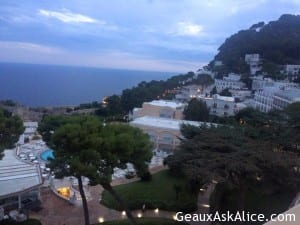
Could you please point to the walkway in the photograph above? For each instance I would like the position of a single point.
(59, 212)
(203, 203)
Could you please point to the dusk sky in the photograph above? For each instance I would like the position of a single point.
(158, 35)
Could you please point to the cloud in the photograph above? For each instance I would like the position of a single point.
(68, 17)
(28, 47)
(188, 29)
(35, 53)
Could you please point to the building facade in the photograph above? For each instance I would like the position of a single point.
(232, 81)
(160, 108)
(19, 182)
(164, 132)
(222, 106)
(275, 98)
(254, 62)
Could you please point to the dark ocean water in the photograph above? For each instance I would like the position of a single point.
(45, 85)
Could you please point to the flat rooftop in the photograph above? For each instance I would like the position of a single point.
(17, 176)
(30, 124)
(166, 123)
(170, 104)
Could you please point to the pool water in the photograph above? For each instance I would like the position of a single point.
(48, 154)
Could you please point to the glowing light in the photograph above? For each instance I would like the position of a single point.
(123, 213)
(202, 189)
(156, 210)
(174, 217)
(100, 219)
(139, 215)
(205, 206)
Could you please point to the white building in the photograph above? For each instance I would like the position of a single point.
(264, 99)
(259, 83)
(163, 132)
(292, 69)
(30, 128)
(283, 98)
(160, 108)
(253, 60)
(232, 81)
(241, 94)
(19, 182)
(275, 97)
(188, 92)
(222, 105)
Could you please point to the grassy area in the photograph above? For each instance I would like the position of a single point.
(146, 221)
(27, 222)
(157, 193)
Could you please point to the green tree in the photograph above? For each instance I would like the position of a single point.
(230, 157)
(213, 91)
(123, 144)
(196, 110)
(90, 149)
(226, 92)
(10, 129)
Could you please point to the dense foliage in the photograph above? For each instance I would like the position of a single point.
(278, 43)
(148, 91)
(10, 129)
(258, 150)
(84, 146)
(196, 110)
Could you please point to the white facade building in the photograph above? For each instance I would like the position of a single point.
(160, 108)
(222, 106)
(30, 128)
(253, 60)
(232, 81)
(292, 69)
(164, 132)
(259, 83)
(19, 181)
(283, 98)
(188, 92)
(241, 94)
(271, 98)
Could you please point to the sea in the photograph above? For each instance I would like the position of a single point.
(48, 85)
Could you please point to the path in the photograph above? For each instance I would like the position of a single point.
(59, 212)
(203, 204)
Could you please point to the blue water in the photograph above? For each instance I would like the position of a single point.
(48, 154)
(46, 85)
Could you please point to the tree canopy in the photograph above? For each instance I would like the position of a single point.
(87, 147)
(196, 110)
(253, 152)
(277, 42)
(10, 129)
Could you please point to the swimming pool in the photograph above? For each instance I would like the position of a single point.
(48, 154)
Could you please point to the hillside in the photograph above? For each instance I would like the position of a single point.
(278, 42)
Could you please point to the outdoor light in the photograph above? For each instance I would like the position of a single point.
(123, 213)
(100, 219)
(174, 217)
(139, 215)
(156, 210)
(205, 206)
(202, 189)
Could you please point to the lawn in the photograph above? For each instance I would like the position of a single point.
(146, 221)
(157, 193)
